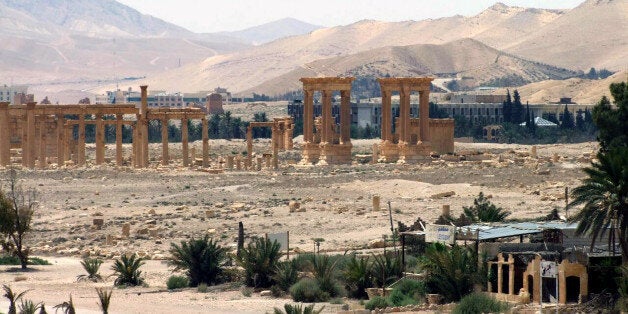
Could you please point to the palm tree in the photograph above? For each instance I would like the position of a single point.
(604, 195)
(202, 259)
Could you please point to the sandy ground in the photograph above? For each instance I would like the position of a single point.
(171, 204)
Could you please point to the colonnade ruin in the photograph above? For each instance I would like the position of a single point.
(48, 134)
(413, 139)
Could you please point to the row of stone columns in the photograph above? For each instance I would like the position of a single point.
(328, 151)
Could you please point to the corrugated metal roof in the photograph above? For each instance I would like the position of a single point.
(505, 230)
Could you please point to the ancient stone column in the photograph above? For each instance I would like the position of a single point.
(308, 116)
(275, 145)
(238, 160)
(404, 114)
(60, 130)
(100, 140)
(184, 142)
(67, 136)
(345, 117)
(144, 125)
(5, 135)
(230, 162)
(81, 140)
(424, 116)
(193, 155)
(258, 164)
(119, 140)
(165, 157)
(533, 151)
(375, 156)
(205, 130)
(386, 116)
(326, 136)
(289, 135)
(42, 147)
(30, 136)
(135, 143)
(249, 146)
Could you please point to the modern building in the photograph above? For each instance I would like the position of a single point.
(9, 94)
(164, 99)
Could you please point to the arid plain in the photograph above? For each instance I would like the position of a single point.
(171, 204)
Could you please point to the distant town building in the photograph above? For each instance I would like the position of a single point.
(164, 99)
(9, 93)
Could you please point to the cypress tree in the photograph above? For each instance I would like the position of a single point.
(517, 108)
(568, 121)
(507, 108)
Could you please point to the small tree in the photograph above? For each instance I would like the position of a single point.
(16, 211)
(485, 211)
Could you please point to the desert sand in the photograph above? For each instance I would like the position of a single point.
(172, 204)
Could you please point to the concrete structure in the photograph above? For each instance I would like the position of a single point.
(335, 139)
(532, 280)
(43, 132)
(405, 145)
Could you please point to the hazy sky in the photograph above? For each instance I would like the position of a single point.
(227, 15)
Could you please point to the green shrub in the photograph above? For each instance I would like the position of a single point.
(480, 303)
(66, 307)
(286, 275)
(127, 270)
(484, 211)
(324, 269)
(247, 292)
(104, 299)
(13, 298)
(358, 276)
(377, 302)
(202, 260)
(451, 272)
(412, 288)
(14, 260)
(387, 269)
(91, 266)
(177, 282)
(259, 260)
(398, 298)
(298, 309)
(308, 290)
(29, 307)
(202, 288)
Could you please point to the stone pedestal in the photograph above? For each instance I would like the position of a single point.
(310, 154)
(230, 162)
(388, 152)
(334, 154)
(414, 153)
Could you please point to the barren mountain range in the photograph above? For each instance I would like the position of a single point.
(91, 43)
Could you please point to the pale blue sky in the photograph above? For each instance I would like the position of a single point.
(228, 15)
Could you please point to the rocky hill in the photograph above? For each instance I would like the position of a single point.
(470, 59)
(268, 32)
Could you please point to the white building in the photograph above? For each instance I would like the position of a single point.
(7, 93)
